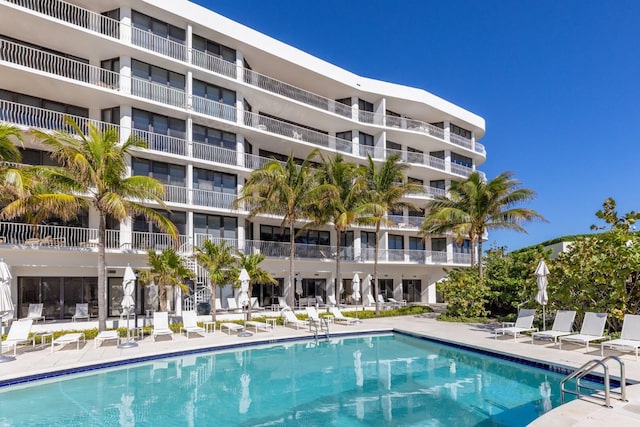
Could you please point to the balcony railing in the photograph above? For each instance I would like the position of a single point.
(96, 22)
(214, 108)
(175, 194)
(213, 199)
(461, 169)
(73, 14)
(58, 237)
(34, 117)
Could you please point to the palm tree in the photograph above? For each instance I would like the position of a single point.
(286, 190)
(474, 206)
(385, 189)
(221, 265)
(167, 270)
(8, 150)
(251, 263)
(94, 172)
(340, 203)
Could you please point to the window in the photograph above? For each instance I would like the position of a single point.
(270, 233)
(344, 101)
(437, 154)
(164, 33)
(415, 181)
(313, 237)
(216, 226)
(157, 74)
(163, 172)
(204, 179)
(395, 241)
(347, 135)
(416, 243)
(457, 130)
(212, 48)
(214, 92)
(437, 183)
(461, 160)
(439, 244)
(365, 139)
(365, 105)
(394, 146)
(37, 158)
(157, 123)
(463, 247)
(47, 104)
(140, 223)
(111, 115)
(215, 137)
(368, 244)
(365, 110)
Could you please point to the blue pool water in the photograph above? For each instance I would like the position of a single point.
(379, 380)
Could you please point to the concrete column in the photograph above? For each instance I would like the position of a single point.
(240, 161)
(239, 108)
(189, 89)
(125, 74)
(379, 145)
(125, 24)
(354, 108)
(447, 131)
(240, 65)
(189, 36)
(380, 109)
(355, 139)
(447, 160)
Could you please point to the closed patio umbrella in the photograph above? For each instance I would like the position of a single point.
(243, 298)
(542, 271)
(128, 286)
(356, 293)
(6, 304)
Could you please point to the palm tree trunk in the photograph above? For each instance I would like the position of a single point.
(288, 291)
(213, 302)
(102, 276)
(376, 288)
(480, 258)
(473, 251)
(338, 273)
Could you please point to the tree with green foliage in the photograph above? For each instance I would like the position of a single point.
(220, 261)
(168, 271)
(257, 274)
(94, 172)
(340, 203)
(465, 293)
(474, 206)
(600, 272)
(286, 190)
(510, 278)
(385, 190)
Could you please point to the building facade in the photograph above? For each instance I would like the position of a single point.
(215, 100)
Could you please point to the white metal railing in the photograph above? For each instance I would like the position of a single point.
(199, 239)
(213, 63)
(461, 169)
(162, 143)
(479, 148)
(73, 14)
(213, 199)
(175, 194)
(36, 59)
(215, 154)
(460, 258)
(428, 191)
(158, 92)
(154, 241)
(214, 108)
(366, 150)
(146, 39)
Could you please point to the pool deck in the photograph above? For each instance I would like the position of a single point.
(31, 361)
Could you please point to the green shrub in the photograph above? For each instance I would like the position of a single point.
(465, 293)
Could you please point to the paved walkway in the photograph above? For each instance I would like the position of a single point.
(576, 413)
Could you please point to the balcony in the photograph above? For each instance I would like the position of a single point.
(57, 237)
(109, 27)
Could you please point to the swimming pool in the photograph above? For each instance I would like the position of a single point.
(375, 380)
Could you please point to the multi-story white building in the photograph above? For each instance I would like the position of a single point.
(215, 99)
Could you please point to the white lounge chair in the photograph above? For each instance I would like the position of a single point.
(219, 306)
(384, 304)
(320, 301)
(18, 334)
(291, 319)
(106, 336)
(333, 302)
(562, 325)
(65, 339)
(35, 312)
(190, 323)
(255, 305)
(233, 305)
(339, 317)
(282, 303)
(524, 323)
(629, 338)
(592, 330)
(231, 327)
(371, 300)
(259, 326)
(397, 303)
(82, 312)
(161, 324)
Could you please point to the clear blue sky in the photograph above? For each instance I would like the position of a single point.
(558, 83)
